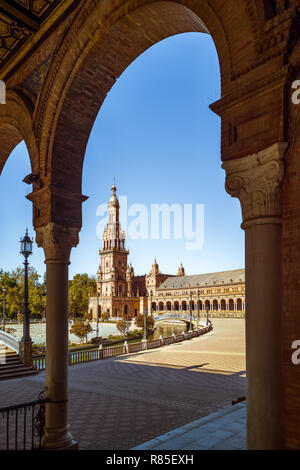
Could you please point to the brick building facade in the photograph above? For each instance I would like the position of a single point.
(120, 292)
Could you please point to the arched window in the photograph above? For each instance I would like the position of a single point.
(183, 306)
(239, 304)
(215, 305)
(176, 305)
(223, 304)
(231, 305)
(169, 306)
(161, 306)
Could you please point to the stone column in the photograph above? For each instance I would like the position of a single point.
(256, 181)
(57, 242)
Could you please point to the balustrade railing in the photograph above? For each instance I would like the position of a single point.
(79, 357)
(22, 426)
(10, 341)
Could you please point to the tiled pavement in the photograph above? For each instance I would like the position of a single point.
(122, 402)
(222, 430)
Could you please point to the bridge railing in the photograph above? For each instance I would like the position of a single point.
(175, 316)
(10, 341)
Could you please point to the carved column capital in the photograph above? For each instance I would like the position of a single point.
(57, 241)
(256, 181)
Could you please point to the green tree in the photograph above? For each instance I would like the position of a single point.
(139, 321)
(122, 326)
(14, 296)
(104, 316)
(81, 330)
(80, 288)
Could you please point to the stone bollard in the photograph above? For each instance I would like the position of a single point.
(125, 348)
(101, 351)
(161, 340)
(144, 344)
(174, 337)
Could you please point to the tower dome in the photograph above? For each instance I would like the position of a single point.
(181, 270)
(113, 199)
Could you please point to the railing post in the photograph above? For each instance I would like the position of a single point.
(125, 348)
(100, 351)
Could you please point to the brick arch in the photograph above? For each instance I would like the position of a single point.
(91, 58)
(15, 126)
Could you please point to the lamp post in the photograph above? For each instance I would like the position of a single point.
(151, 295)
(26, 251)
(145, 325)
(97, 328)
(3, 318)
(207, 317)
(198, 294)
(191, 295)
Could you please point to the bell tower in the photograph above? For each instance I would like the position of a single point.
(181, 270)
(111, 279)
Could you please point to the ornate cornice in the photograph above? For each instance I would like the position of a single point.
(256, 181)
(57, 242)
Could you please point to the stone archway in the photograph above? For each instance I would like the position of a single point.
(16, 118)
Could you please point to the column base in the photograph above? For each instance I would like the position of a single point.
(57, 441)
(72, 446)
(26, 352)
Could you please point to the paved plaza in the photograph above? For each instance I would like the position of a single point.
(222, 430)
(123, 402)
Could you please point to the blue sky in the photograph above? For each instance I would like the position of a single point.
(157, 136)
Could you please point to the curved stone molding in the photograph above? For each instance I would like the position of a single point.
(57, 241)
(256, 181)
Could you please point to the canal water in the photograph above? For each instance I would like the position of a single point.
(38, 331)
(168, 329)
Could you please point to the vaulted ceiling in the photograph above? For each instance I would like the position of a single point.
(21, 20)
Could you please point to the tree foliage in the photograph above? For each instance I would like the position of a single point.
(81, 330)
(139, 321)
(122, 326)
(13, 282)
(80, 288)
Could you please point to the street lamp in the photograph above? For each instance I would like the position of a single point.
(198, 293)
(145, 325)
(151, 295)
(191, 295)
(26, 251)
(98, 307)
(4, 291)
(207, 317)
